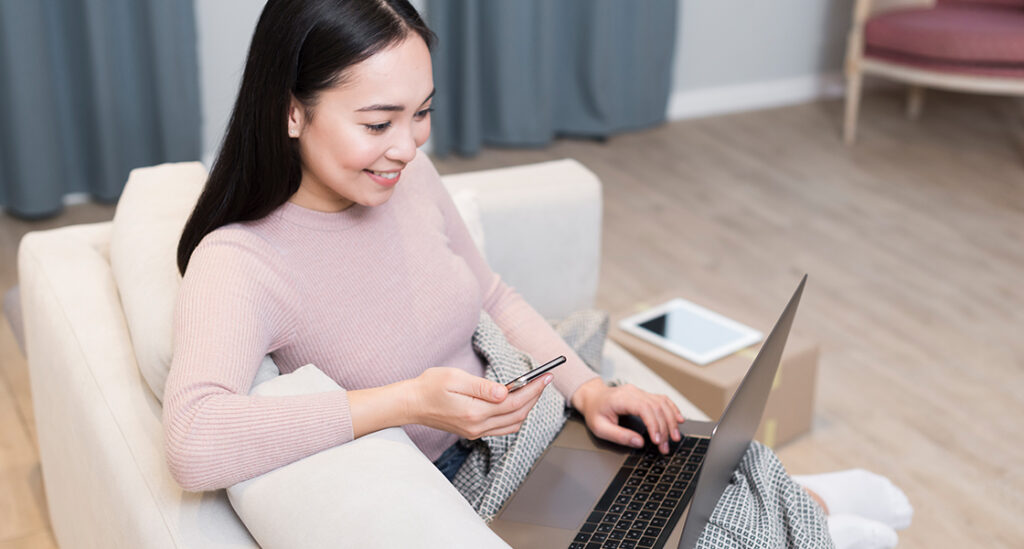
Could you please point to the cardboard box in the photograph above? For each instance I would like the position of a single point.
(790, 406)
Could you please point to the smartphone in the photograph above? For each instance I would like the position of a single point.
(521, 381)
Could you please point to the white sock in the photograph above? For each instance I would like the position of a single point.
(861, 493)
(853, 532)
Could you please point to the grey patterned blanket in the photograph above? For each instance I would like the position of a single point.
(761, 508)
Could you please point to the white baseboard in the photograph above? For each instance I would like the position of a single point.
(753, 96)
(72, 199)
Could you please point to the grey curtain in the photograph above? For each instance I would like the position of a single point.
(90, 89)
(520, 72)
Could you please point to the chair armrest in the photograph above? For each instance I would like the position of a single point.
(99, 426)
(378, 490)
(542, 224)
(864, 10)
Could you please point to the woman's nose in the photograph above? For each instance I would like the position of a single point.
(404, 148)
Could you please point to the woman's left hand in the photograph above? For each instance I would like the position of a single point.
(602, 405)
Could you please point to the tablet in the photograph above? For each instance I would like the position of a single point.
(691, 331)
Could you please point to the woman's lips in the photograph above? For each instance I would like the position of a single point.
(381, 180)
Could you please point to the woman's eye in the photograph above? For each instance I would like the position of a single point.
(377, 128)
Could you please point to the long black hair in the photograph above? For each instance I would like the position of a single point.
(299, 48)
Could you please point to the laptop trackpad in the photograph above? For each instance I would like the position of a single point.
(563, 488)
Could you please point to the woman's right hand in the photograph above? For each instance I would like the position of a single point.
(472, 407)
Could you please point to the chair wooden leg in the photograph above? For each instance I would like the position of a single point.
(915, 101)
(853, 85)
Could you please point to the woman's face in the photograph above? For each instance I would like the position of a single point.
(364, 131)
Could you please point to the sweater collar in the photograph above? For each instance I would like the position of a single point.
(324, 221)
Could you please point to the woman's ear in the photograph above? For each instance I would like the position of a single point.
(295, 118)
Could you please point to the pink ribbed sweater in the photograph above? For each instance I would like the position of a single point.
(370, 295)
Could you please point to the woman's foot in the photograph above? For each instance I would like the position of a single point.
(862, 493)
(854, 532)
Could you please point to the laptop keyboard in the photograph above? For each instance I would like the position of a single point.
(646, 498)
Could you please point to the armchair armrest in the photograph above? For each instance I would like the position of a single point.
(542, 224)
(377, 491)
(862, 11)
(98, 424)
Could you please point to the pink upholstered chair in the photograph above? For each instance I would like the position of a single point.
(963, 45)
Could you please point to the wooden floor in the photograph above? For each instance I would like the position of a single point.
(914, 243)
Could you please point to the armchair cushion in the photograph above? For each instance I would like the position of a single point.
(971, 38)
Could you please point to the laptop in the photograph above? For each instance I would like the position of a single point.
(587, 493)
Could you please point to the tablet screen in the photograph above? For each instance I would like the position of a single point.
(689, 330)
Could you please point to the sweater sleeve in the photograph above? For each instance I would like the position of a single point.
(235, 305)
(524, 327)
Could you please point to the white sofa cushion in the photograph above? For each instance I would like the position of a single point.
(150, 216)
(376, 491)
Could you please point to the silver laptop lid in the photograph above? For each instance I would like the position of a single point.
(738, 425)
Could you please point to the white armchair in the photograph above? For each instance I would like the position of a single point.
(99, 424)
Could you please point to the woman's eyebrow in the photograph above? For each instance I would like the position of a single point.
(395, 108)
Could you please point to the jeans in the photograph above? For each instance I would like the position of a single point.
(451, 460)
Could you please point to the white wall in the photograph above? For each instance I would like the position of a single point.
(735, 55)
(223, 29)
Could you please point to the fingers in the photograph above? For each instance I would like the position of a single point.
(659, 414)
(523, 400)
(459, 402)
(666, 417)
(510, 414)
(507, 423)
(675, 409)
(675, 417)
(669, 417)
(477, 387)
(509, 429)
(491, 391)
(657, 427)
(609, 430)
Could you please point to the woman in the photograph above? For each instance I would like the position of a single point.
(323, 236)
